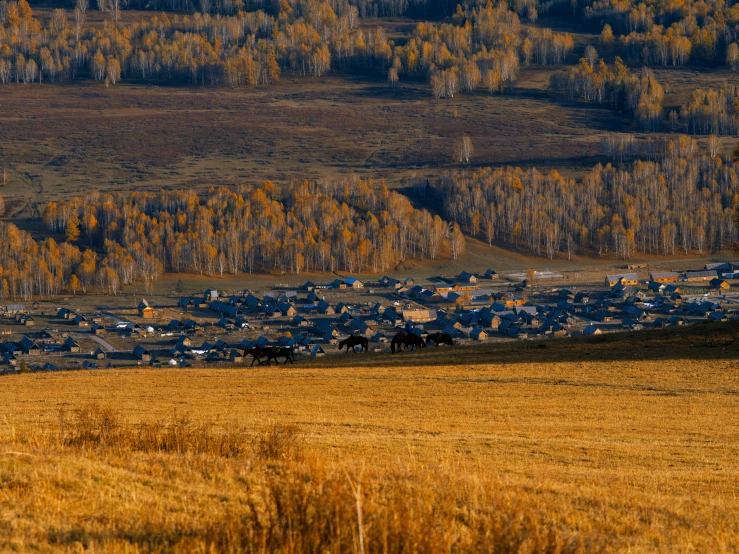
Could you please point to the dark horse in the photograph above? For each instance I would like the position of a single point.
(352, 341)
(440, 338)
(270, 353)
(409, 340)
(256, 353)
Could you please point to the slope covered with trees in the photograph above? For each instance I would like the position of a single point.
(683, 202)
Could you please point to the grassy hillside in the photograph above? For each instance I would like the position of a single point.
(588, 445)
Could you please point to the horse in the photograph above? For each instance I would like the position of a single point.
(256, 353)
(271, 353)
(281, 352)
(352, 341)
(440, 338)
(409, 340)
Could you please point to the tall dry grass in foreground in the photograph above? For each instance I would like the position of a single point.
(96, 481)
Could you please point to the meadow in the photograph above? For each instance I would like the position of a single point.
(624, 443)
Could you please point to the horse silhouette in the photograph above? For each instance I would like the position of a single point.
(270, 353)
(352, 341)
(440, 338)
(409, 340)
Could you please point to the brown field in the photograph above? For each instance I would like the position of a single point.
(625, 443)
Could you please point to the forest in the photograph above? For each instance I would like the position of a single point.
(661, 193)
(685, 202)
(113, 240)
(682, 202)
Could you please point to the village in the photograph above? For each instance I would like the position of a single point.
(217, 327)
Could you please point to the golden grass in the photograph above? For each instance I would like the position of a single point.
(513, 455)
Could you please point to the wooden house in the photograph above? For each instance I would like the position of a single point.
(665, 277)
(625, 279)
(144, 309)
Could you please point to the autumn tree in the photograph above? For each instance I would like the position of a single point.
(73, 228)
(462, 150)
(113, 68)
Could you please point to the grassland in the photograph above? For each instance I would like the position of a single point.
(624, 443)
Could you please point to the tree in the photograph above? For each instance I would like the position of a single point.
(392, 77)
(98, 66)
(732, 56)
(114, 70)
(73, 228)
(2, 206)
(591, 54)
(714, 145)
(463, 149)
(456, 241)
(606, 35)
(735, 155)
(74, 284)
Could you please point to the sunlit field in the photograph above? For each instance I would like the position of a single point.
(601, 445)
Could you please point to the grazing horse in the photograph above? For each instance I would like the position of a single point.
(440, 338)
(409, 340)
(271, 353)
(281, 352)
(352, 341)
(256, 353)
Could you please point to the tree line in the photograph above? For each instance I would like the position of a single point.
(683, 202)
(244, 49)
(481, 46)
(670, 32)
(638, 94)
(114, 240)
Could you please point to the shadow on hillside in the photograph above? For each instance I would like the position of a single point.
(709, 341)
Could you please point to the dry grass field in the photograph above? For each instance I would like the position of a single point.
(624, 443)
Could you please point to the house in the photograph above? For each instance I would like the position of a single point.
(309, 286)
(210, 294)
(622, 279)
(317, 351)
(27, 321)
(300, 321)
(97, 330)
(592, 330)
(390, 282)
(324, 327)
(462, 287)
(99, 354)
(719, 285)
(353, 283)
(186, 303)
(286, 309)
(29, 347)
(654, 286)
(325, 308)
(699, 276)
(80, 321)
(64, 313)
(490, 274)
(141, 353)
(467, 277)
(419, 316)
(478, 334)
(666, 277)
(70, 345)
(144, 309)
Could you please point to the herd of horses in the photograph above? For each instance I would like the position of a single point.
(410, 341)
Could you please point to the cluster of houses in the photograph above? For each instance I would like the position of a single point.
(714, 276)
(467, 306)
